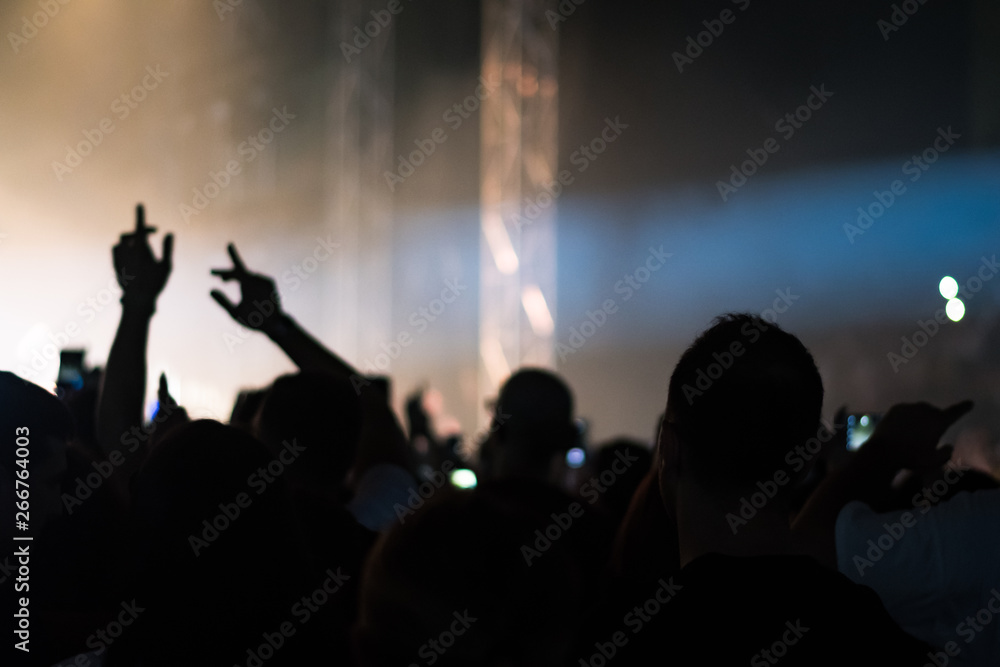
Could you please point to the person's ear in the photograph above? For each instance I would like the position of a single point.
(668, 454)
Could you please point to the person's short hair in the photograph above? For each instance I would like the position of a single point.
(320, 412)
(535, 408)
(743, 396)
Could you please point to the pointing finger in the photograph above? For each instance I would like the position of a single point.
(141, 230)
(168, 251)
(164, 393)
(238, 266)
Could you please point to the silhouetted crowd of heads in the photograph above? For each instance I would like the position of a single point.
(314, 529)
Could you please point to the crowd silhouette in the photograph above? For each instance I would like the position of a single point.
(314, 528)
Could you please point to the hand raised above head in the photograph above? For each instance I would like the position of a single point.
(259, 303)
(169, 416)
(908, 435)
(139, 274)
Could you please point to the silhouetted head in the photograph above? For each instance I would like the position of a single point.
(319, 412)
(743, 396)
(28, 411)
(629, 461)
(457, 573)
(215, 551)
(532, 422)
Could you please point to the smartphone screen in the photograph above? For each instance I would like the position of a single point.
(70, 369)
(859, 428)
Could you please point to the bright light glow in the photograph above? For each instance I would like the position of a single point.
(575, 457)
(864, 420)
(537, 310)
(955, 309)
(500, 245)
(463, 478)
(494, 360)
(948, 287)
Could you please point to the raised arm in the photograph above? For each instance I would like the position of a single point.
(123, 385)
(382, 438)
(260, 309)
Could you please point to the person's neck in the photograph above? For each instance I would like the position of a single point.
(712, 522)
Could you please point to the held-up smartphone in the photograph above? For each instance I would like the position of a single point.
(860, 427)
(71, 369)
(577, 455)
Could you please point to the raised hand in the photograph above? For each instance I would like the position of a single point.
(908, 435)
(169, 414)
(259, 304)
(167, 402)
(139, 274)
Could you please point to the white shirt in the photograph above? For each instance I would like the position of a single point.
(936, 567)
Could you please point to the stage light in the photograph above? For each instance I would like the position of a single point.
(495, 361)
(499, 242)
(955, 309)
(538, 310)
(948, 287)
